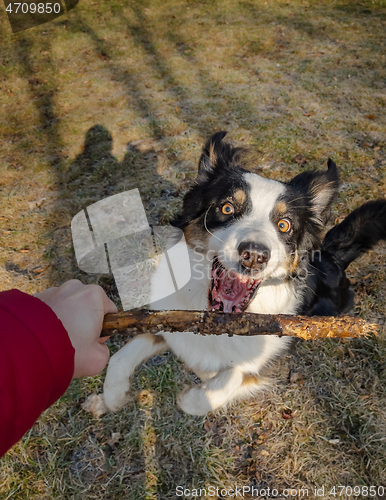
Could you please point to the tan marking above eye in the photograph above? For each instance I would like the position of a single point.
(227, 209)
(284, 225)
(281, 207)
(240, 196)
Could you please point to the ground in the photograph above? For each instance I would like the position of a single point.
(121, 94)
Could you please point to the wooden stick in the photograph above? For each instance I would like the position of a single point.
(243, 324)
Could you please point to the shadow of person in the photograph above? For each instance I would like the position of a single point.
(98, 143)
(96, 173)
(96, 162)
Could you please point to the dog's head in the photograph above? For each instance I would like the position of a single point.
(251, 228)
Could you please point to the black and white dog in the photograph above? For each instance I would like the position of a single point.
(257, 245)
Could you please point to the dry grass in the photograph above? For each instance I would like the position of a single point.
(121, 95)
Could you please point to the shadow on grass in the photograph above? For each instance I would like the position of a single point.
(43, 100)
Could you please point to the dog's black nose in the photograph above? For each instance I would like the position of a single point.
(253, 255)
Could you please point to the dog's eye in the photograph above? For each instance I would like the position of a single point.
(284, 225)
(227, 209)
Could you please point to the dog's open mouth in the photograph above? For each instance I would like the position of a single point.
(230, 291)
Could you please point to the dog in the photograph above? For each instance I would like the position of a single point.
(255, 245)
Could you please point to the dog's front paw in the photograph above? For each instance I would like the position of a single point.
(194, 401)
(116, 396)
(116, 392)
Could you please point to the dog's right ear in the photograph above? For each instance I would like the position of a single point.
(211, 153)
(321, 189)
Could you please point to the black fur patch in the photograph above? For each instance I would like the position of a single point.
(330, 290)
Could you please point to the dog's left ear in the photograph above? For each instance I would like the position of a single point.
(321, 188)
(212, 152)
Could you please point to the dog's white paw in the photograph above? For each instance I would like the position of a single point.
(194, 401)
(116, 394)
(116, 397)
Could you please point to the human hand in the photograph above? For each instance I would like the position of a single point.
(81, 309)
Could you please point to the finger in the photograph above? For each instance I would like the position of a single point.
(102, 340)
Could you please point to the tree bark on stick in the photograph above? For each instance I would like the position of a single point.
(242, 324)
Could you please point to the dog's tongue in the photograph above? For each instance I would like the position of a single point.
(229, 289)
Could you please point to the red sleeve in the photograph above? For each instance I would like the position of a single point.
(36, 363)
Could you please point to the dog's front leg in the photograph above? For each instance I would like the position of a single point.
(123, 364)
